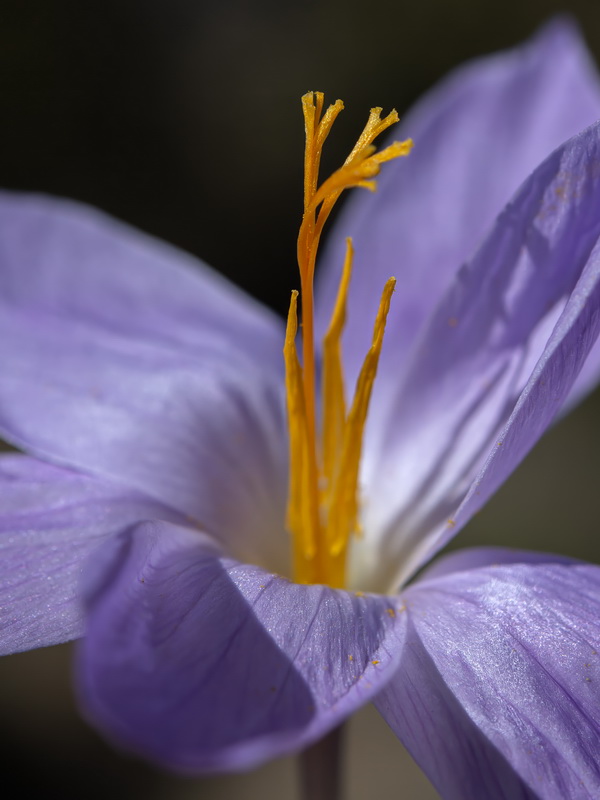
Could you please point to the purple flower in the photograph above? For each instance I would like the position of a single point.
(150, 395)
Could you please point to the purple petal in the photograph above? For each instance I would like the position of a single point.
(587, 380)
(477, 136)
(201, 663)
(498, 359)
(498, 692)
(476, 557)
(67, 261)
(120, 360)
(50, 522)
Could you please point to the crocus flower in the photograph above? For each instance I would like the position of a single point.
(149, 397)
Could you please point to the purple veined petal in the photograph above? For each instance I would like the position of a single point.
(51, 520)
(208, 441)
(498, 691)
(543, 396)
(477, 136)
(496, 362)
(203, 664)
(66, 261)
(477, 557)
(587, 380)
(119, 360)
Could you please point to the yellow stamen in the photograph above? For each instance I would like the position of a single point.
(374, 127)
(299, 513)
(334, 404)
(342, 519)
(323, 503)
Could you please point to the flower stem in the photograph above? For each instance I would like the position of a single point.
(320, 768)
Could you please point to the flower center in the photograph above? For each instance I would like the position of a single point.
(323, 499)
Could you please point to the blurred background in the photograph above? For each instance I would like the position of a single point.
(182, 117)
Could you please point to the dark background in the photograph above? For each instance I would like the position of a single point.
(182, 117)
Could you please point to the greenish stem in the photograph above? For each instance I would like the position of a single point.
(320, 768)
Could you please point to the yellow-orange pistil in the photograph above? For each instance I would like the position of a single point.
(323, 501)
